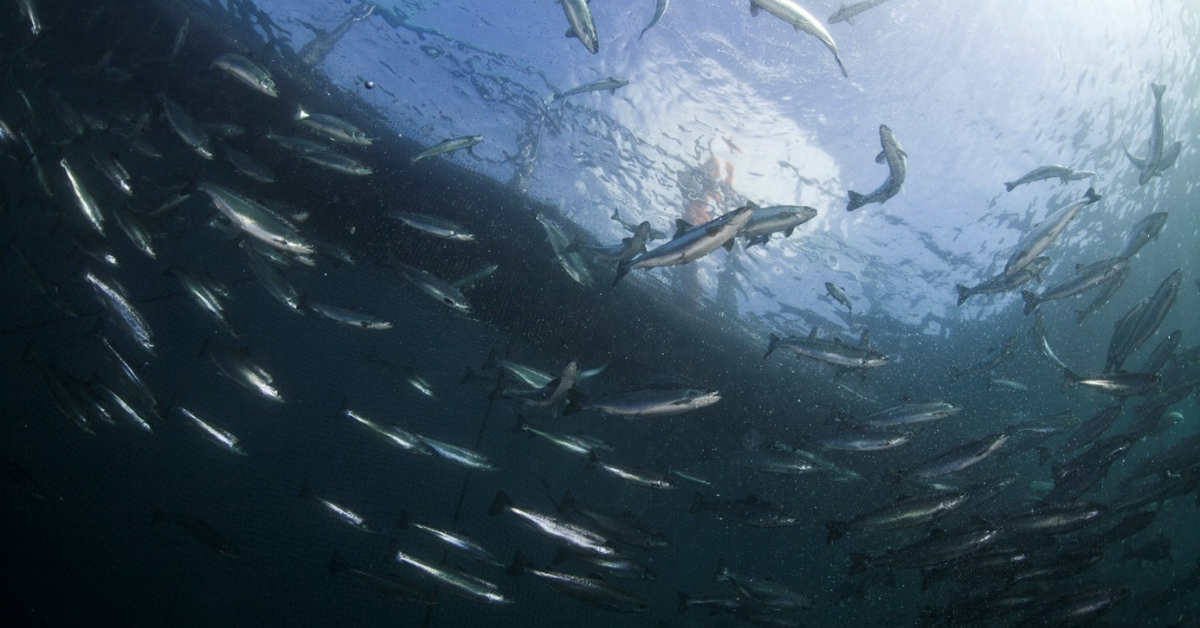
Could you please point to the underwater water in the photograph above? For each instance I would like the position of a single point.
(421, 313)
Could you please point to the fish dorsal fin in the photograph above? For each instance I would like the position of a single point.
(837, 340)
(728, 244)
(864, 340)
(626, 241)
(936, 533)
(812, 333)
(682, 226)
(1079, 267)
(754, 9)
(752, 205)
(752, 499)
(903, 498)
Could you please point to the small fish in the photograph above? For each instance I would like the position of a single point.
(121, 311)
(847, 12)
(641, 477)
(247, 72)
(30, 12)
(249, 166)
(750, 511)
(802, 20)
(1034, 243)
(572, 534)
(583, 27)
(460, 455)
(897, 162)
(338, 163)
(83, 199)
(593, 591)
(332, 127)
(660, 7)
(347, 317)
(1119, 384)
(690, 243)
(433, 226)
(197, 529)
(180, 37)
(436, 287)
(342, 513)
(1063, 173)
(236, 365)
(191, 132)
(610, 84)
(1086, 277)
(446, 146)
(221, 437)
(458, 582)
(400, 438)
(833, 352)
(643, 403)
(455, 541)
(838, 295)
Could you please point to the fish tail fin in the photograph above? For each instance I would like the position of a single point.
(402, 522)
(1043, 455)
(574, 246)
(772, 344)
(500, 504)
(698, 503)
(841, 66)
(343, 405)
(1031, 301)
(836, 530)
(497, 392)
(574, 397)
(684, 601)
(1091, 196)
(568, 502)
(1069, 379)
(518, 566)
(927, 579)
(305, 489)
(964, 293)
(490, 362)
(1080, 315)
(1009, 185)
(859, 563)
(856, 201)
(1158, 90)
(520, 425)
(722, 573)
(593, 460)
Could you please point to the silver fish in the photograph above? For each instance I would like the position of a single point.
(571, 262)
(1034, 243)
(256, 220)
(332, 127)
(912, 413)
(643, 403)
(180, 37)
(566, 532)
(338, 163)
(660, 7)
(83, 199)
(457, 582)
(641, 477)
(1063, 173)
(191, 132)
(433, 226)
(436, 287)
(1086, 277)
(802, 20)
(446, 146)
(347, 317)
(459, 455)
(610, 84)
(247, 72)
(122, 312)
(342, 513)
(583, 27)
(393, 435)
(897, 162)
(1143, 232)
(690, 244)
(455, 541)
(236, 365)
(833, 352)
(774, 219)
(838, 295)
(1004, 282)
(847, 12)
(223, 438)
(593, 591)
(30, 12)
(249, 166)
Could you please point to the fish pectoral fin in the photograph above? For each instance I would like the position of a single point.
(881, 157)
(571, 33)
(754, 9)
(728, 244)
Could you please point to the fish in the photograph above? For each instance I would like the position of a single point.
(246, 71)
(298, 145)
(571, 534)
(592, 591)
(256, 220)
(571, 262)
(436, 287)
(1041, 173)
(1035, 242)
(180, 37)
(111, 167)
(1086, 277)
(551, 395)
(197, 529)
(1103, 297)
(469, 281)
(1085, 434)
(626, 250)
(191, 132)
(939, 548)
(236, 365)
(863, 441)
(1118, 384)
(121, 311)
(127, 409)
(650, 402)
(838, 295)
(621, 527)
(1142, 233)
(690, 244)
(249, 166)
(1053, 518)
(271, 279)
(955, 460)
(897, 162)
(393, 586)
(1042, 342)
(1157, 550)
(1076, 609)
(833, 352)
(456, 581)
(577, 444)
(847, 12)
(83, 199)
(764, 591)
(660, 7)
(775, 463)
(620, 567)
(338, 162)
(332, 127)
(610, 84)
(1157, 159)
(1141, 322)
(1162, 352)
(455, 541)
(459, 455)
(1004, 282)
(750, 511)
(802, 20)
(583, 27)
(904, 513)
(29, 11)
(1075, 478)
(446, 146)
(640, 477)
(396, 436)
(223, 438)
(343, 514)
(135, 228)
(774, 219)
(994, 357)
(655, 234)
(433, 225)
(130, 374)
(344, 316)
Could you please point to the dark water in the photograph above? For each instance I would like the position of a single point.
(80, 548)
